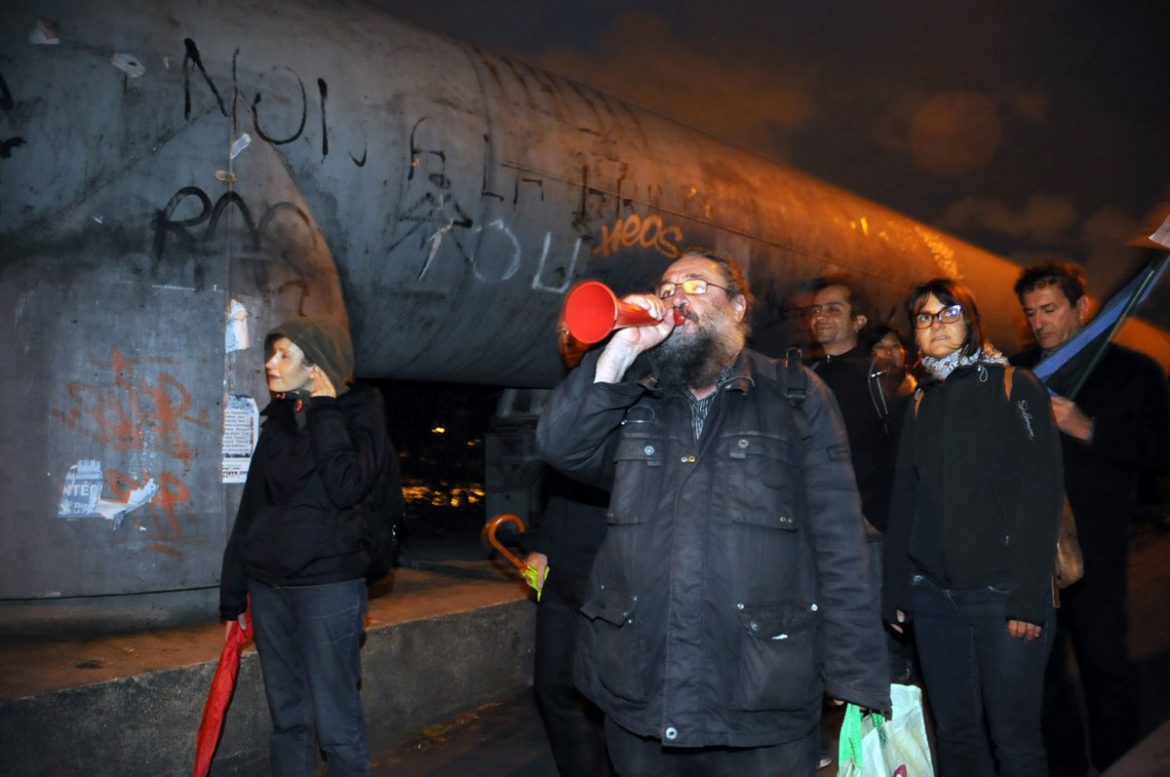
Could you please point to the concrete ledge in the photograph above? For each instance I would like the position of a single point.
(1151, 757)
(130, 705)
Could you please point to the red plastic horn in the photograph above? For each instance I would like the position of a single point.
(592, 311)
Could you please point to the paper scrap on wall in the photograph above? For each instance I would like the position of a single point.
(83, 489)
(81, 496)
(241, 430)
(236, 331)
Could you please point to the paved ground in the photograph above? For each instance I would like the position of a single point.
(506, 739)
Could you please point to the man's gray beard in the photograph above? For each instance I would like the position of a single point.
(695, 361)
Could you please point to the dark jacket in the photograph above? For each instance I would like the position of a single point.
(977, 491)
(870, 445)
(312, 497)
(731, 591)
(572, 528)
(1127, 398)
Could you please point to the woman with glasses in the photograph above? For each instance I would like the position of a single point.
(972, 538)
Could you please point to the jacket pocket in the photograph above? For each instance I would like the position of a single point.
(780, 658)
(638, 471)
(761, 473)
(613, 640)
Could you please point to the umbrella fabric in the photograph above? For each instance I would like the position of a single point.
(220, 695)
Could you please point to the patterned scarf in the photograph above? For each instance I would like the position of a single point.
(940, 369)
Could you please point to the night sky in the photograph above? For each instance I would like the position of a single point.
(1035, 130)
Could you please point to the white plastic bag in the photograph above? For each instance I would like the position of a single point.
(871, 746)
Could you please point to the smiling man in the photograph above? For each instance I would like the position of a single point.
(731, 592)
(1118, 426)
(838, 316)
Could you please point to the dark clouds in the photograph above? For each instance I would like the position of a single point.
(1035, 130)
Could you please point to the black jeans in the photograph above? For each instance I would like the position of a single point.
(573, 724)
(980, 681)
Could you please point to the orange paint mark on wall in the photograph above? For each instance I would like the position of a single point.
(162, 509)
(633, 230)
(136, 407)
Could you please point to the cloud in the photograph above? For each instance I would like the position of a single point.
(948, 133)
(1045, 219)
(954, 133)
(1109, 262)
(1048, 230)
(640, 59)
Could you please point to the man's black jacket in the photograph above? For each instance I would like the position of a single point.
(1126, 396)
(732, 589)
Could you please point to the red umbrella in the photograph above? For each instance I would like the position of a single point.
(220, 695)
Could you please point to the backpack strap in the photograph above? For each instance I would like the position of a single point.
(795, 384)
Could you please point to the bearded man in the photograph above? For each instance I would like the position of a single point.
(731, 592)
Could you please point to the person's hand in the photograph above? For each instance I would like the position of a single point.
(242, 619)
(628, 343)
(1023, 630)
(322, 386)
(1070, 419)
(901, 618)
(539, 562)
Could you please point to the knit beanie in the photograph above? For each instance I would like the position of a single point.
(325, 344)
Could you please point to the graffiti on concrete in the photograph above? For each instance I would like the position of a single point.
(160, 520)
(435, 221)
(166, 225)
(193, 61)
(633, 231)
(141, 407)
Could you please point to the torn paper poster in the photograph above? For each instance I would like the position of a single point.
(129, 64)
(83, 489)
(241, 430)
(236, 332)
(81, 497)
(240, 143)
(116, 511)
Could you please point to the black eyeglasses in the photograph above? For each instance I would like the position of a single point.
(948, 315)
(691, 286)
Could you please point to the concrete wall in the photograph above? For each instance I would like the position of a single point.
(414, 673)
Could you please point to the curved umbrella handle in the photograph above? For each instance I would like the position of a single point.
(489, 533)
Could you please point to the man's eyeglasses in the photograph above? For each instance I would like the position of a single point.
(691, 286)
(949, 315)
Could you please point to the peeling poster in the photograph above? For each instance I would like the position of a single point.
(236, 329)
(241, 430)
(83, 489)
(81, 496)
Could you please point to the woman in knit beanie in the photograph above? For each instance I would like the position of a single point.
(322, 486)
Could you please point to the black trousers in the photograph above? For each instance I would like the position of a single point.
(1092, 626)
(573, 724)
(985, 688)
